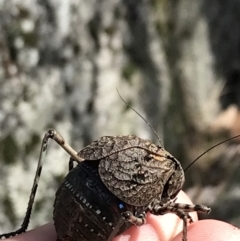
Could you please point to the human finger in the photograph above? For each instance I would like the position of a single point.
(43, 233)
(210, 230)
(157, 228)
(163, 228)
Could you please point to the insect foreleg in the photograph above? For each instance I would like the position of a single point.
(137, 221)
(181, 210)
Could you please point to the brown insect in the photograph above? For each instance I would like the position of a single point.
(117, 180)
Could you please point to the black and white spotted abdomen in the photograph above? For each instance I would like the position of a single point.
(84, 208)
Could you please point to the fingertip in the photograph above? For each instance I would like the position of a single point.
(169, 225)
(183, 198)
(43, 233)
(162, 227)
(209, 230)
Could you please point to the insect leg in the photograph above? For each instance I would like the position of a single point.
(52, 134)
(182, 211)
(160, 210)
(185, 217)
(189, 207)
(128, 217)
(171, 207)
(137, 221)
(116, 229)
(70, 165)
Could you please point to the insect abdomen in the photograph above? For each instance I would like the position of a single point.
(84, 208)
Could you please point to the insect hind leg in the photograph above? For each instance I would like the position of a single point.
(52, 134)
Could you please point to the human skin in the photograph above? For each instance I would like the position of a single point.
(167, 227)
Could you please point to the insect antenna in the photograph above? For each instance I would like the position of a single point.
(155, 133)
(220, 143)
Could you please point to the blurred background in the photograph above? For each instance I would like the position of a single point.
(177, 62)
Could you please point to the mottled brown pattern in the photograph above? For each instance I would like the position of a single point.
(134, 169)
